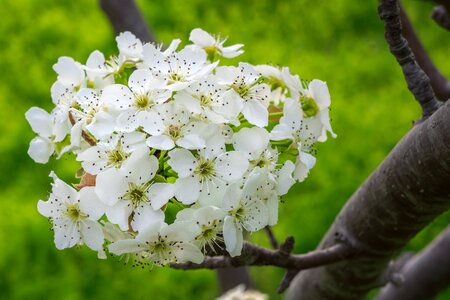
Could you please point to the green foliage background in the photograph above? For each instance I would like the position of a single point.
(340, 42)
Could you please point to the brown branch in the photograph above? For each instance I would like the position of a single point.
(84, 134)
(439, 83)
(402, 196)
(424, 275)
(124, 15)
(271, 236)
(253, 255)
(416, 79)
(441, 17)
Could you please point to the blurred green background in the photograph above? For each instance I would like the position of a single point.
(339, 42)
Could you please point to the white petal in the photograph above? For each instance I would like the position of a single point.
(41, 149)
(231, 166)
(69, 71)
(187, 189)
(160, 142)
(319, 91)
(185, 99)
(140, 167)
(181, 231)
(151, 122)
(47, 209)
(201, 38)
(160, 193)
(145, 216)
(255, 113)
(190, 253)
(285, 179)
(232, 197)
(117, 95)
(233, 236)
(119, 214)
(90, 203)
(40, 121)
(304, 163)
(256, 216)
(252, 141)
(102, 125)
(129, 45)
(110, 186)
(92, 234)
(191, 141)
(67, 234)
(182, 161)
(125, 246)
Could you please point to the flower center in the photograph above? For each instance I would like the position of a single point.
(116, 156)
(142, 102)
(241, 89)
(174, 131)
(309, 106)
(205, 100)
(205, 169)
(136, 194)
(175, 77)
(74, 213)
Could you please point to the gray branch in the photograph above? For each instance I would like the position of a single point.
(416, 79)
(440, 84)
(424, 275)
(441, 16)
(402, 196)
(124, 15)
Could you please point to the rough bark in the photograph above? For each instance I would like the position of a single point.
(424, 275)
(441, 16)
(404, 194)
(440, 84)
(124, 15)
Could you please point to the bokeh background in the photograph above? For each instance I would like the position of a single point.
(339, 42)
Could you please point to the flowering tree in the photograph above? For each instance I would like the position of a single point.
(181, 155)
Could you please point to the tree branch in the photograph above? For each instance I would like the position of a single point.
(424, 275)
(417, 80)
(439, 83)
(124, 15)
(441, 17)
(271, 236)
(403, 195)
(253, 255)
(91, 141)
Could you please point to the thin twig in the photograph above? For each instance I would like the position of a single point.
(253, 255)
(84, 134)
(271, 236)
(124, 15)
(441, 16)
(417, 80)
(439, 83)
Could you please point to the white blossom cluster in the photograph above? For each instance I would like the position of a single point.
(179, 154)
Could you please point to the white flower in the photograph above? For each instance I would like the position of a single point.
(74, 215)
(130, 47)
(254, 144)
(98, 71)
(70, 72)
(205, 176)
(170, 125)
(49, 132)
(245, 89)
(240, 293)
(278, 87)
(209, 219)
(111, 152)
(162, 244)
(135, 101)
(205, 99)
(245, 211)
(180, 69)
(212, 45)
(130, 191)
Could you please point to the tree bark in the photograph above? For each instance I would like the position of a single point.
(404, 194)
(124, 15)
(424, 275)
